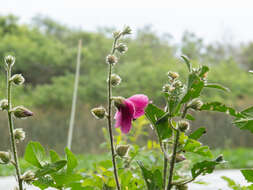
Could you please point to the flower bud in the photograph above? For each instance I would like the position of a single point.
(21, 112)
(126, 30)
(19, 134)
(219, 158)
(182, 187)
(4, 104)
(28, 177)
(173, 75)
(183, 125)
(195, 104)
(118, 101)
(180, 158)
(111, 59)
(115, 80)
(122, 48)
(177, 84)
(116, 34)
(122, 150)
(99, 113)
(5, 157)
(9, 60)
(17, 79)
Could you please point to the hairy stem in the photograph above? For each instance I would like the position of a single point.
(174, 153)
(109, 118)
(11, 131)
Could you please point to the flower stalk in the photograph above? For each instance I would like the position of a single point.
(174, 153)
(109, 117)
(11, 129)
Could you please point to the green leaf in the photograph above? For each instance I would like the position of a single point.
(220, 107)
(187, 61)
(163, 130)
(44, 182)
(248, 174)
(34, 154)
(196, 147)
(203, 71)
(153, 180)
(217, 86)
(71, 160)
(245, 124)
(189, 117)
(197, 133)
(63, 178)
(195, 86)
(54, 156)
(248, 112)
(204, 167)
(51, 168)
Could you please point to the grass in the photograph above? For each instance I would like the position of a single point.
(236, 158)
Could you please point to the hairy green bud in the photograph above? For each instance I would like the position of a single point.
(118, 101)
(173, 75)
(122, 150)
(115, 80)
(17, 79)
(5, 157)
(122, 48)
(19, 134)
(116, 34)
(21, 112)
(99, 113)
(4, 104)
(195, 104)
(111, 59)
(180, 158)
(126, 30)
(183, 125)
(9, 60)
(28, 177)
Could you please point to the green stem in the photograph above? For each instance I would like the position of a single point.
(174, 153)
(11, 131)
(109, 118)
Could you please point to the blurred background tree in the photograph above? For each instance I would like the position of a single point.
(45, 53)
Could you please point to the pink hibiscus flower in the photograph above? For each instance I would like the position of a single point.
(131, 109)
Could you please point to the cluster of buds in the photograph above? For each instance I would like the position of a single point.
(5, 157)
(183, 125)
(122, 150)
(121, 48)
(111, 59)
(195, 104)
(28, 177)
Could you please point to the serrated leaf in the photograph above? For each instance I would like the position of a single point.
(217, 86)
(196, 147)
(248, 174)
(66, 178)
(195, 86)
(189, 117)
(71, 160)
(248, 112)
(187, 61)
(197, 133)
(220, 107)
(54, 157)
(204, 167)
(162, 128)
(44, 182)
(245, 124)
(50, 168)
(34, 154)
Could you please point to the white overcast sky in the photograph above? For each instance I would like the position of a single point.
(213, 20)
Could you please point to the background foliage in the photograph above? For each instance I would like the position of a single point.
(45, 51)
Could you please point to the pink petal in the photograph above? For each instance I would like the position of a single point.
(140, 102)
(124, 116)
